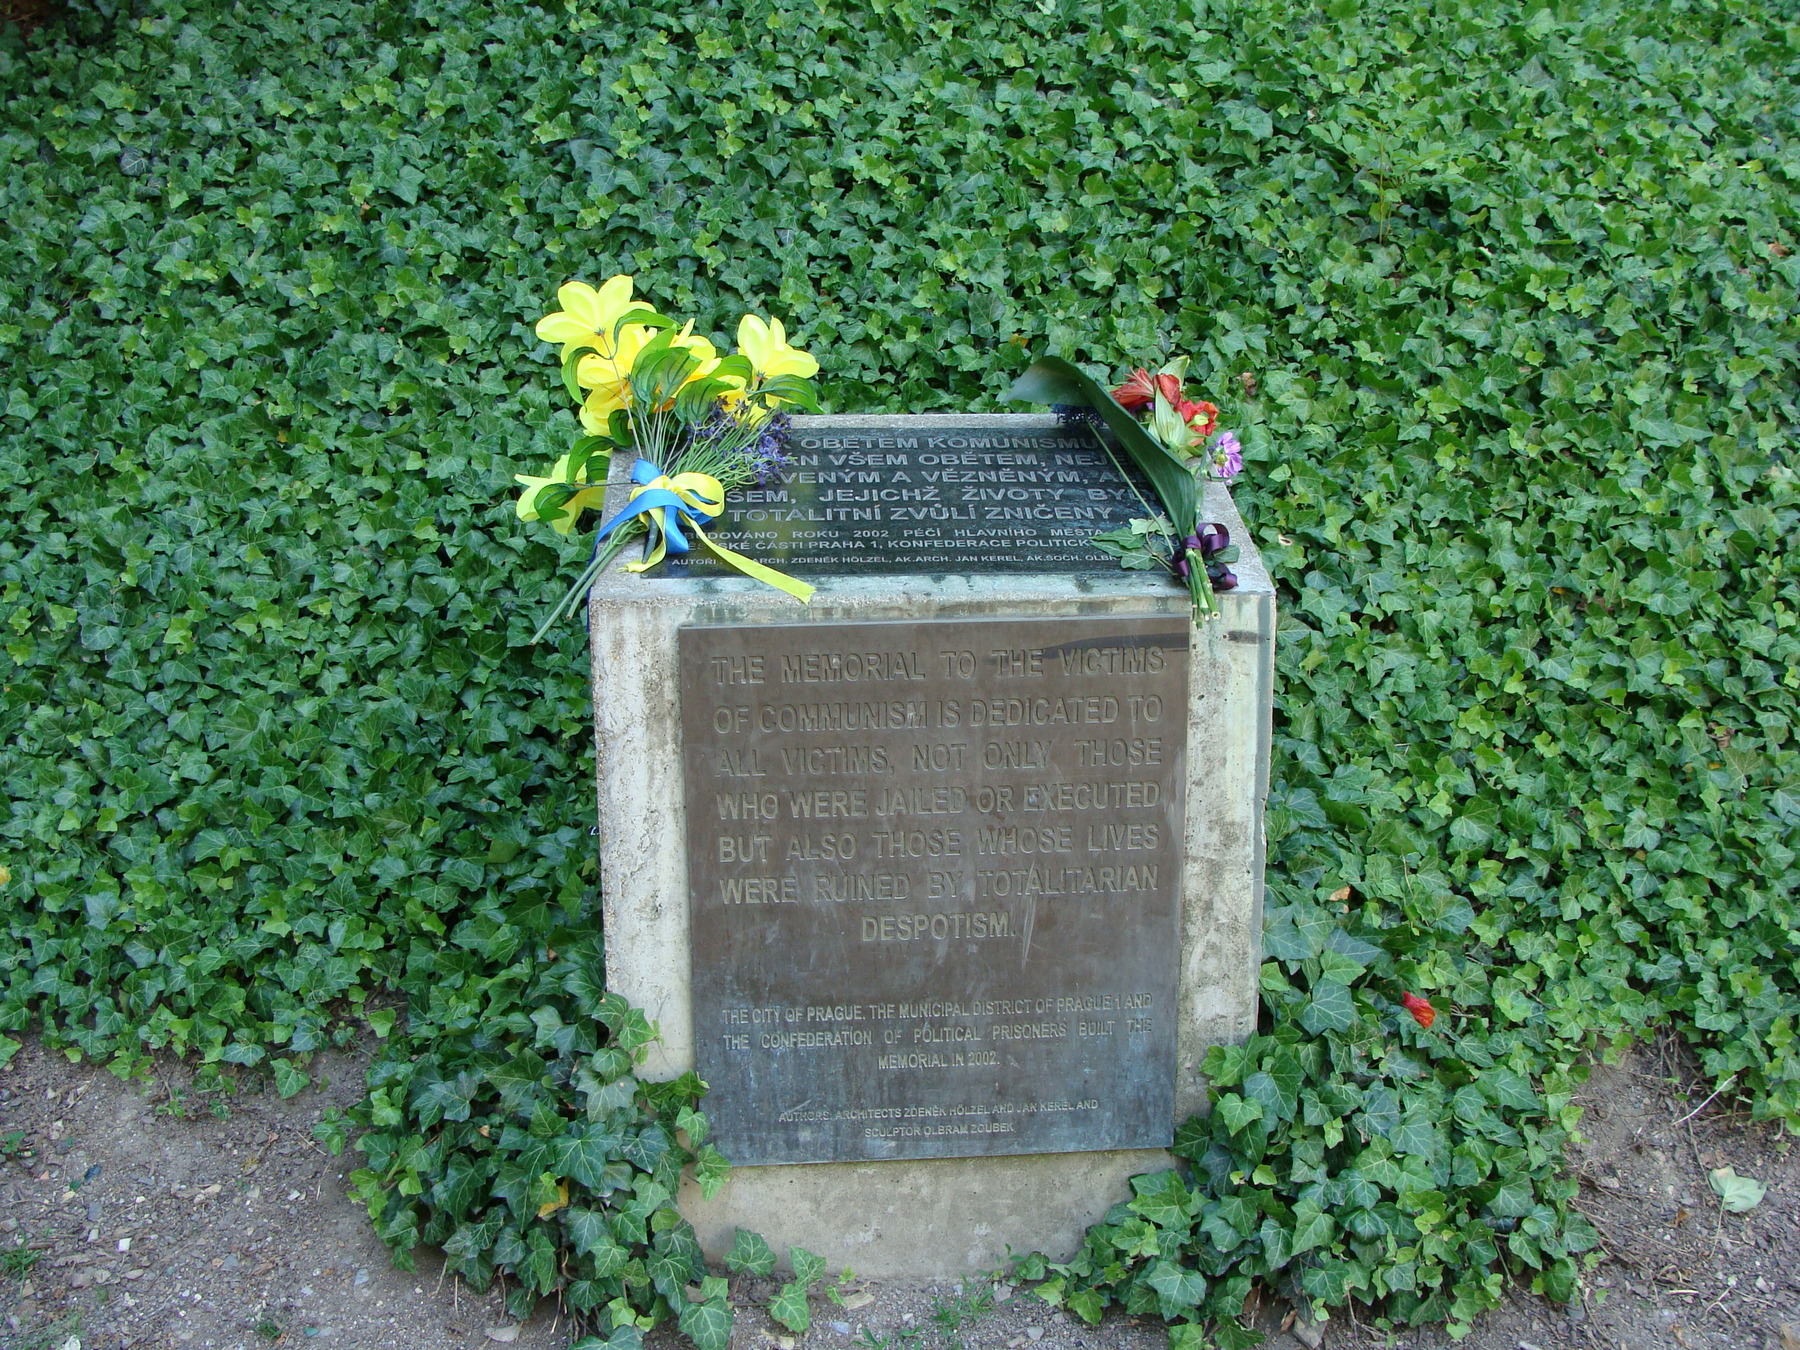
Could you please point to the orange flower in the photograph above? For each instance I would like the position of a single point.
(1423, 1013)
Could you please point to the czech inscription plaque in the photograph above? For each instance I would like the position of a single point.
(885, 499)
(934, 874)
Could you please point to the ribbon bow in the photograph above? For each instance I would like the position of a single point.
(671, 506)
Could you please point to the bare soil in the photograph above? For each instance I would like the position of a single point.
(136, 1215)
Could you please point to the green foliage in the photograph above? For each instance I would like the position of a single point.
(1510, 293)
(1366, 1159)
(789, 1306)
(527, 1148)
(751, 1252)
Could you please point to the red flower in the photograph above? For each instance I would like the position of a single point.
(1140, 391)
(1137, 392)
(1423, 1013)
(1200, 417)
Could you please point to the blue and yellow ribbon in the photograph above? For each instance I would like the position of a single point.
(671, 506)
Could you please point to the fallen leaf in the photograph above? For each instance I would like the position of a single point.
(1739, 1194)
(1790, 1336)
(860, 1299)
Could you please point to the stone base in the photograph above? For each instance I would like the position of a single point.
(933, 1219)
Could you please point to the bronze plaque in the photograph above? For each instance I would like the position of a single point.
(935, 883)
(880, 498)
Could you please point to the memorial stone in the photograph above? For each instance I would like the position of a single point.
(945, 882)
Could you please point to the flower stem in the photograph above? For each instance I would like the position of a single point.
(589, 575)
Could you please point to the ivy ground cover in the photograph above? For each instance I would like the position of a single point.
(1503, 293)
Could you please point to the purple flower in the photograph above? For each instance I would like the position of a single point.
(1226, 456)
(768, 452)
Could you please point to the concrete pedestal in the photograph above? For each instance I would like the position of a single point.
(942, 1217)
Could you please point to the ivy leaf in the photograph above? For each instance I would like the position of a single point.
(519, 1081)
(1161, 1199)
(446, 1099)
(1312, 1228)
(603, 1098)
(669, 1271)
(711, 1170)
(590, 1236)
(1179, 1286)
(1294, 933)
(789, 1308)
(462, 1184)
(808, 1269)
(1503, 1087)
(288, 1079)
(750, 1252)
(1738, 1194)
(1237, 1111)
(645, 1148)
(692, 1123)
(1328, 1007)
(1417, 1134)
(1086, 1304)
(707, 1324)
(1277, 1088)
(625, 1337)
(1514, 1198)
(585, 1151)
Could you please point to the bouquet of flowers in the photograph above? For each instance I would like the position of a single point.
(1176, 443)
(699, 423)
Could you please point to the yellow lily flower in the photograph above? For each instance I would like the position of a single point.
(704, 351)
(588, 315)
(587, 319)
(588, 499)
(767, 347)
(606, 374)
(608, 378)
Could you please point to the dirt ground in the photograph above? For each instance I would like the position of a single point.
(136, 1215)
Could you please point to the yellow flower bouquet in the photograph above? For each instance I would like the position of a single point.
(699, 423)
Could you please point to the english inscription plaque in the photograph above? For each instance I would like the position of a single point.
(883, 499)
(934, 878)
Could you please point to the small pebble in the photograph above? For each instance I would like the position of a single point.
(230, 1262)
(362, 1278)
(842, 1328)
(1034, 1333)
